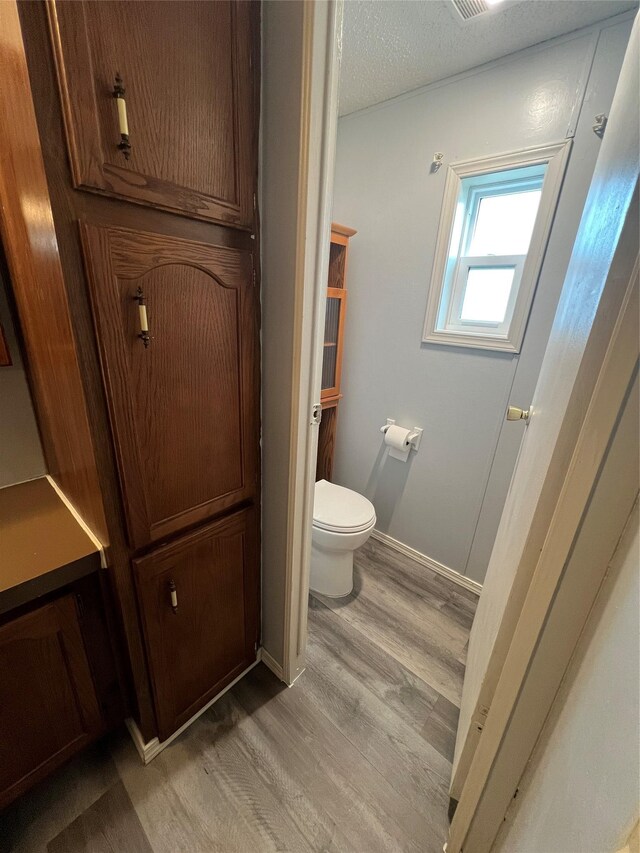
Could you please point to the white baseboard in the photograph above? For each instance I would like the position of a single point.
(296, 677)
(434, 565)
(272, 664)
(148, 750)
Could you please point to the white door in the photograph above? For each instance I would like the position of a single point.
(601, 265)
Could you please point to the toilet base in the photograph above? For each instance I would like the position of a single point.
(331, 572)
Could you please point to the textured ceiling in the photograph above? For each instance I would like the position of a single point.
(394, 46)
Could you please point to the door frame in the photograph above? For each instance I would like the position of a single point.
(323, 27)
(483, 796)
(299, 132)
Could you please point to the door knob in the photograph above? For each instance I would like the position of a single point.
(516, 414)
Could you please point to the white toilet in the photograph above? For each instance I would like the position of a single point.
(342, 521)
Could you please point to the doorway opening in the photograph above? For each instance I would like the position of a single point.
(457, 204)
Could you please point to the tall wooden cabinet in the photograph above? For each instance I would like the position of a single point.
(335, 317)
(148, 118)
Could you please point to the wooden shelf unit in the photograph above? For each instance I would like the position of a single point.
(335, 315)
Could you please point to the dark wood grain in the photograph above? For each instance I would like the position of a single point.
(110, 825)
(69, 206)
(5, 355)
(48, 705)
(327, 441)
(30, 246)
(183, 412)
(188, 79)
(212, 635)
(337, 259)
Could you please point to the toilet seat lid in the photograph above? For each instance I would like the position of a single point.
(340, 509)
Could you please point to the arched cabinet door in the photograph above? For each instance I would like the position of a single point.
(184, 96)
(177, 329)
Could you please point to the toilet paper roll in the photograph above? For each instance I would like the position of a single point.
(397, 439)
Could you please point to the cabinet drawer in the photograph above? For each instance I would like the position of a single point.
(199, 603)
(187, 73)
(48, 705)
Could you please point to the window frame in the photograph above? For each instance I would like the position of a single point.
(447, 288)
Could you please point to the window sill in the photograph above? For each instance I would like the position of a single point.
(487, 342)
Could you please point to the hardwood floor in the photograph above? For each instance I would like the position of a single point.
(356, 757)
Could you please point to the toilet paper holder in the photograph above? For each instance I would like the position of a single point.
(414, 438)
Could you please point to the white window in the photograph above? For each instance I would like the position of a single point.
(495, 222)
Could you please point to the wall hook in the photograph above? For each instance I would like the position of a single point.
(437, 161)
(600, 124)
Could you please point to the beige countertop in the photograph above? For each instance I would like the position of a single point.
(42, 545)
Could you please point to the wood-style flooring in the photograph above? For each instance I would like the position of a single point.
(356, 756)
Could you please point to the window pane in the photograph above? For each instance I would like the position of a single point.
(504, 224)
(487, 294)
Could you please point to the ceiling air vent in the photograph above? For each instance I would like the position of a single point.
(470, 8)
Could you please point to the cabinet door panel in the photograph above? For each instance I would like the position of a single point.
(186, 70)
(211, 637)
(48, 705)
(184, 409)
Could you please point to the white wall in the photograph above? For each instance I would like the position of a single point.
(384, 189)
(581, 793)
(20, 451)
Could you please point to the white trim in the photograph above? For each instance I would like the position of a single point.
(74, 512)
(322, 29)
(272, 664)
(434, 565)
(583, 82)
(148, 750)
(556, 157)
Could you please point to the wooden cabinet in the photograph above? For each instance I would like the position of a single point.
(48, 703)
(330, 394)
(188, 79)
(199, 602)
(184, 408)
(172, 229)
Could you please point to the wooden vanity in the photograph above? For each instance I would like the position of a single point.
(58, 680)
